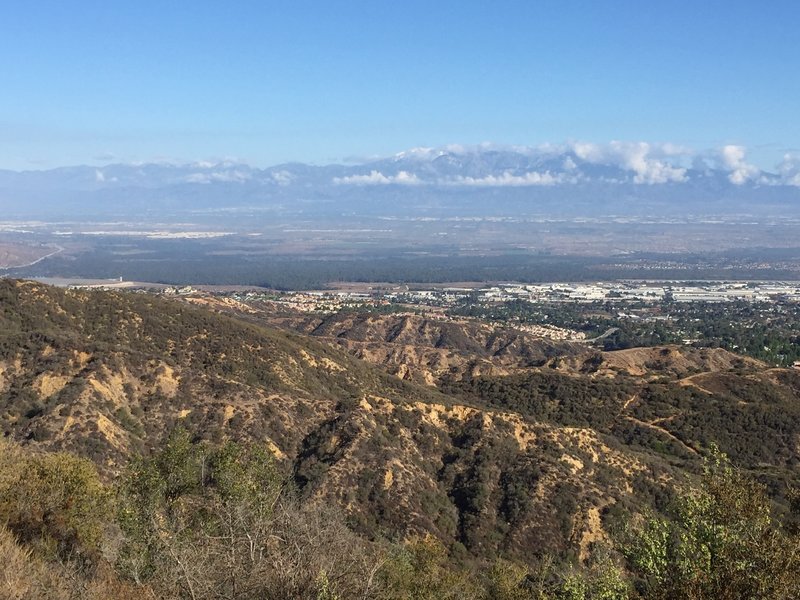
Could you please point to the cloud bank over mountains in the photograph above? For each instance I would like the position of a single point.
(639, 163)
(575, 177)
(649, 163)
(789, 169)
(484, 165)
(376, 177)
(733, 159)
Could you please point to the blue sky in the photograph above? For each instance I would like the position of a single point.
(268, 82)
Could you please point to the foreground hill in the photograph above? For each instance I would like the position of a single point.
(538, 458)
(109, 371)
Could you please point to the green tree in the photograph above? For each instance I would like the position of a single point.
(54, 502)
(197, 515)
(508, 581)
(721, 543)
(219, 522)
(421, 570)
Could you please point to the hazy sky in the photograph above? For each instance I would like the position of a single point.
(267, 82)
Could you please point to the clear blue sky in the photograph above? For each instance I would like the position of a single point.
(266, 82)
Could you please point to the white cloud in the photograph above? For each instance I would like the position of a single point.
(456, 148)
(508, 179)
(405, 177)
(587, 151)
(670, 149)
(421, 152)
(789, 169)
(732, 155)
(204, 164)
(282, 177)
(431, 153)
(100, 177)
(226, 162)
(378, 178)
(234, 176)
(649, 162)
(732, 158)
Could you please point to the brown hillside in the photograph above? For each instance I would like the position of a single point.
(519, 459)
(676, 361)
(425, 350)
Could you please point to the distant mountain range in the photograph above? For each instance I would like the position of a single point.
(576, 179)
